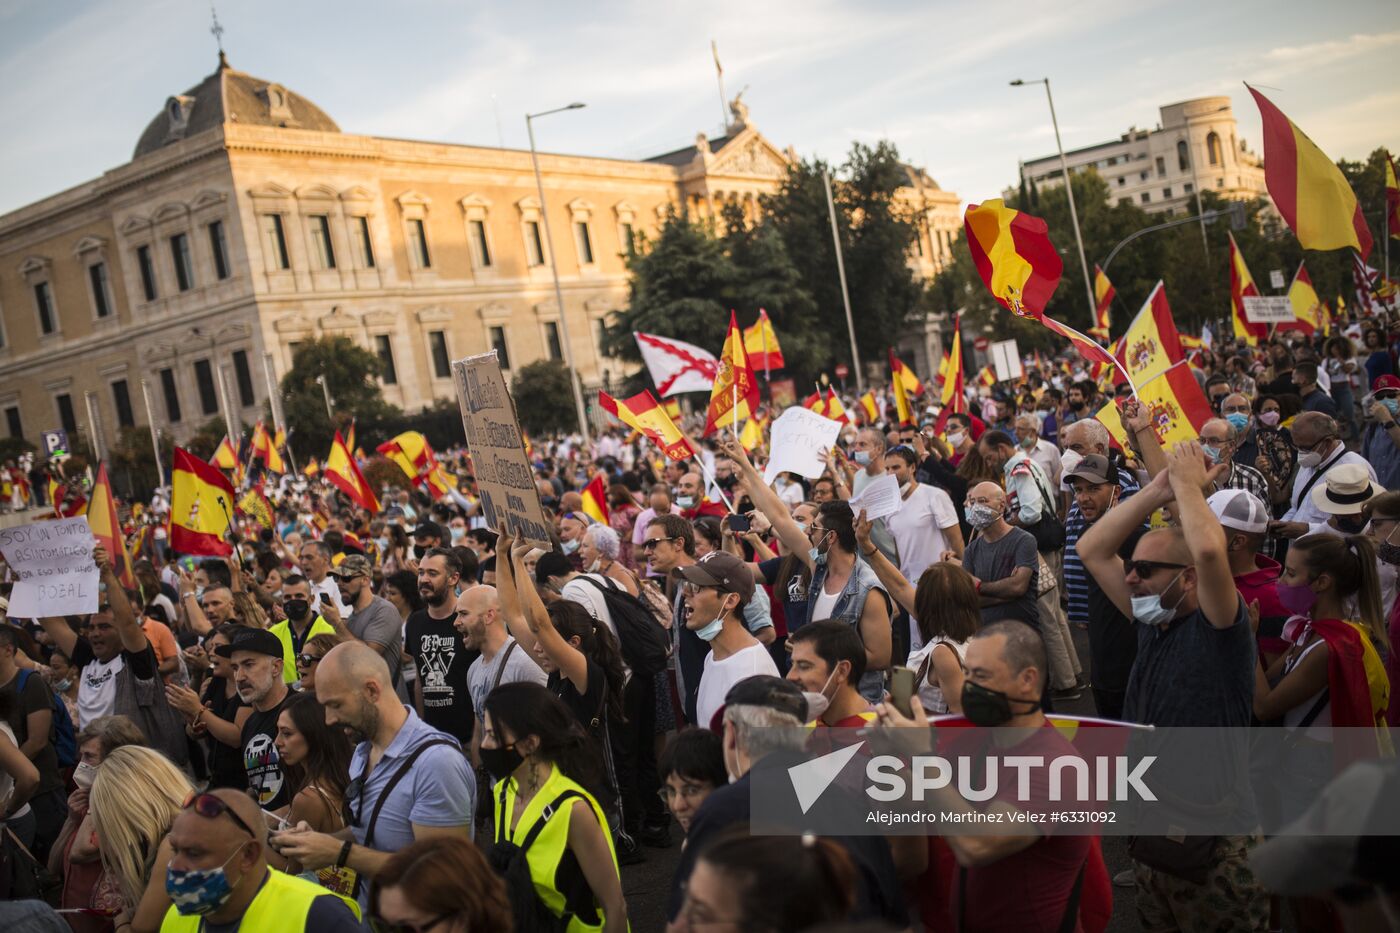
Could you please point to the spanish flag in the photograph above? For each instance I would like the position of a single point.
(1175, 404)
(1309, 317)
(1308, 189)
(761, 344)
(952, 399)
(1103, 300)
(870, 408)
(264, 448)
(752, 436)
(350, 436)
(255, 505)
(1150, 344)
(827, 405)
(342, 470)
(1241, 287)
(643, 413)
(201, 507)
(59, 492)
(1013, 255)
(1392, 198)
(672, 409)
(735, 393)
(595, 499)
(107, 529)
(412, 453)
(987, 377)
(905, 383)
(311, 468)
(225, 457)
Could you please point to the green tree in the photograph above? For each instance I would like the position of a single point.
(765, 277)
(543, 400)
(351, 377)
(133, 462)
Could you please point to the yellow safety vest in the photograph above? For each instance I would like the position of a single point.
(282, 904)
(283, 631)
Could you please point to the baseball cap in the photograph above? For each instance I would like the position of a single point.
(1385, 382)
(353, 565)
(256, 640)
(1240, 509)
(722, 570)
(1345, 489)
(429, 530)
(772, 692)
(1093, 468)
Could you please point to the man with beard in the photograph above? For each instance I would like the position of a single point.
(301, 624)
(436, 647)
(408, 781)
(256, 657)
(373, 619)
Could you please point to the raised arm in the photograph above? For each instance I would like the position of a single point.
(571, 662)
(61, 633)
(1216, 593)
(128, 626)
(505, 588)
(768, 502)
(900, 589)
(1138, 426)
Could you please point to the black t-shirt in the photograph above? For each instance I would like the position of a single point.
(260, 759)
(585, 706)
(34, 697)
(1113, 640)
(225, 762)
(790, 591)
(442, 659)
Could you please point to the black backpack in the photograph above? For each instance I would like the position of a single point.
(645, 644)
(510, 863)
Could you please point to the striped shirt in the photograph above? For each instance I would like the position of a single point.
(1076, 579)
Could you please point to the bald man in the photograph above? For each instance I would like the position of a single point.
(1001, 558)
(409, 781)
(223, 831)
(1320, 448)
(502, 659)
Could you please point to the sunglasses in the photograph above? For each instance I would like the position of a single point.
(1146, 568)
(651, 543)
(353, 792)
(380, 925)
(211, 808)
(306, 660)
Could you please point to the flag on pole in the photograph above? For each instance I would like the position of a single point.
(1308, 188)
(107, 528)
(350, 436)
(1307, 307)
(342, 470)
(225, 457)
(1103, 300)
(672, 409)
(1013, 255)
(595, 499)
(905, 385)
(953, 398)
(870, 407)
(643, 413)
(1241, 287)
(761, 344)
(987, 377)
(264, 449)
(826, 404)
(311, 468)
(201, 507)
(677, 366)
(1151, 343)
(735, 393)
(1364, 278)
(714, 50)
(1392, 198)
(1175, 404)
(254, 505)
(752, 435)
(412, 453)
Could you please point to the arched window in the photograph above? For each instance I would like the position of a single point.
(1213, 149)
(1183, 157)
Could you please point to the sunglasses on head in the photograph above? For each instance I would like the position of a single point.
(1146, 568)
(211, 808)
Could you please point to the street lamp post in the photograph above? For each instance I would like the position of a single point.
(554, 270)
(845, 295)
(1069, 190)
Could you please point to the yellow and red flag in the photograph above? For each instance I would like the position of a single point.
(225, 456)
(311, 468)
(987, 377)
(826, 404)
(107, 529)
(411, 452)
(761, 344)
(1175, 404)
(1308, 188)
(254, 505)
(67, 501)
(595, 499)
(953, 398)
(752, 436)
(905, 384)
(1103, 300)
(201, 507)
(1392, 198)
(1151, 343)
(1308, 313)
(870, 408)
(643, 413)
(264, 448)
(1241, 287)
(342, 470)
(1013, 255)
(734, 397)
(350, 436)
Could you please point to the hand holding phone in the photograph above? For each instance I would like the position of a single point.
(901, 689)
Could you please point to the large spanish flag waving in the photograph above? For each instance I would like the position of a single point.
(342, 470)
(595, 499)
(642, 413)
(1307, 307)
(1175, 403)
(1241, 287)
(201, 507)
(1014, 256)
(1308, 189)
(734, 397)
(761, 344)
(1151, 343)
(107, 528)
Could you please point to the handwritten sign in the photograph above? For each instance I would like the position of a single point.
(497, 447)
(1270, 310)
(52, 563)
(797, 442)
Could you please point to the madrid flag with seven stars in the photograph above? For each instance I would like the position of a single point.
(734, 397)
(342, 470)
(201, 507)
(644, 414)
(1308, 189)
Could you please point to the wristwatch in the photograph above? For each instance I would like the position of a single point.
(344, 855)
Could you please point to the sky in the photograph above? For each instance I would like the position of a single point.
(82, 78)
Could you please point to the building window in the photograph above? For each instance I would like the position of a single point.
(585, 243)
(1213, 149)
(1146, 197)
(275, 242)
(204, 379)
(629, 239)
(218, 247)
(385, 348)
(12, 421)
(442, 366)
(1188, 188)
(121, 399)
(1125, 202)
(418, 244)
(534, 243)
(365, 244)
(1142, 176)
(1161, 167)
(243, 375)
(551, 339)
(101, 296)
(1183, 156)
(172, 395)
(1122, 181)
(65, 414)
(320, 229)
(480, 247)
(1220, 182)
(43, 301)
(1167, 193)
(498, 343)
(180, 255)
(148, 272)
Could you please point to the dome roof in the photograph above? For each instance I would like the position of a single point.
(229, 96)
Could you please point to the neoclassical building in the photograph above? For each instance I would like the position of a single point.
(247, 222)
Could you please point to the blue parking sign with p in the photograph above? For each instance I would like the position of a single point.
(56, 444)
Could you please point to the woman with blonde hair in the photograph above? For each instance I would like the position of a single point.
(137, 794)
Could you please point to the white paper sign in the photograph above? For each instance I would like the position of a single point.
(879, 498)
(1275, 309)
(796, 442)
(1006, 360)
(52, 563)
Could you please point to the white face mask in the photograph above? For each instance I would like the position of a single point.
(84, 774)
(818, 703)
(956, 439)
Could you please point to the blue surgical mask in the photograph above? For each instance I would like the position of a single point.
(570, 546)
(685, 502)
(862, 457)
(198, 892)
(1149, 609)
(711, 631)
(1392, 405)
(1212, 452)
(1238, 420)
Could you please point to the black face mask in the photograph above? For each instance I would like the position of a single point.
(1076, 406)
(296, 608)
(726, 482)
(501, 761)
(419, 550)
(1351, 526)
(985, 707)
(1390, 553)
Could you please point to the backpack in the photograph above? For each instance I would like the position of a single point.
(64, 736)
(511, 865)
(646, 646)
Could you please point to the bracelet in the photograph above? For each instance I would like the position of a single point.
(870, 553)
(344, 853)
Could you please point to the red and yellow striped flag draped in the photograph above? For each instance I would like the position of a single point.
(342, 470)
(1013, 255)
(906, 384)
(1175, 404)
(761, 344)
(1103, 300)
(201, 507)
(107, 529)
(1308, 188)
(1308, 314)
(264, 448)
(1241, 287)
(734, 397)
(643, 413)
(595, 499)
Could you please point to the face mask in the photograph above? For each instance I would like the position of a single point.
(685, 502)
(500, 762)
(1238, 420)
(1392, 405)
(296, 608)
(1028, 443)
(1069, 461)
(63, 685)
(862, 457)
(956, 439)
(84, 774)
(419, 550)
(1149, 609)
(986, 707)
(1387, 552)
(1213, 453)
(458, 534)
(570, 546)
(1076, 406)
(1041, 416)
(711, 631)
(982, 516)
(200, 892)
(198, 593)
(383, 544)
(818, 703)
(1310, 460)
(1297, 598)
(1269, 418)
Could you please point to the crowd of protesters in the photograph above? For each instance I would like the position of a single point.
(413, 719)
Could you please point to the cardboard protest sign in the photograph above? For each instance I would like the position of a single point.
(52, 563)
(497, 446)
(797, 442)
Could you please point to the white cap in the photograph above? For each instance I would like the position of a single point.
(1241, 510)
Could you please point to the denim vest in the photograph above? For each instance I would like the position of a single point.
(849, 606)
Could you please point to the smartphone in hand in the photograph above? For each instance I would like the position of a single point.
(901, 689)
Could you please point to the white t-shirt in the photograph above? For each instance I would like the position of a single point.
(789, 492)
(7, 783)
(328, 589)
(97, 688)
(587, 595)
(918, 529)
(824, 603)
(719, 676)
(932, 697)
